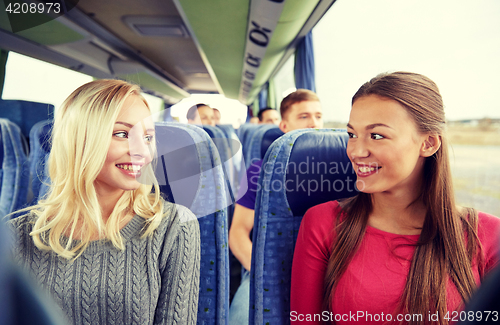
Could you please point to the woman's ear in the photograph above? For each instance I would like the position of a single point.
(431, 144)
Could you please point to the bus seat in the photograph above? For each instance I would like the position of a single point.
(39, 154)
(268, 138)
(245, 134)
(220, 140)
(15, 169)
(188, 175)
(236, 154)
(22, 301)
(254, 148)
(229, 171)
(301, 169)
(25, 113)
(228, 130)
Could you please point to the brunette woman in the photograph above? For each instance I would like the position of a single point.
(401, 251)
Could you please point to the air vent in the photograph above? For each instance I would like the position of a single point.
(157, 26)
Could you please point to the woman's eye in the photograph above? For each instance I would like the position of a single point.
(376, 136)
(149, 138)
(351, 135)
(121, 134)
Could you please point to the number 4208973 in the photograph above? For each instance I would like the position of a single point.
(32, 8)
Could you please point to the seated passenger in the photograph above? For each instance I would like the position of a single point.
(401, 251)
(268, 116)
(299, 110)
(201, 114)
(108, 249)
(216, 116)
(254, 120)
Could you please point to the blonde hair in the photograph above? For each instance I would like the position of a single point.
(81, 137)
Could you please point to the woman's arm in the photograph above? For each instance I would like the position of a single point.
(178, 300)
(310, 261)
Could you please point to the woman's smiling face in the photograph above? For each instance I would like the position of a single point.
(130, 149)
(384, 146)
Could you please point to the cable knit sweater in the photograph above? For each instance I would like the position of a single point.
(155, 280)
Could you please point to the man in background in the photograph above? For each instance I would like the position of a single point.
(201, 114)
(216, 116)
(268, 116)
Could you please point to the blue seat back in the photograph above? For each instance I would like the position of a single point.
(268, 138)
(22, 302)
(221, 143)
(189, 172)
(245, 134)
(228, 131)
(253, 150)
(301, 169)
(39, 154)
(25, 114)
(14, 168)
(236, 155)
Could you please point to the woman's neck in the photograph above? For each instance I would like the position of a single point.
(400, 213)
(108, 201)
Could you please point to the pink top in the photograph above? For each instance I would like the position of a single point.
(369, 291)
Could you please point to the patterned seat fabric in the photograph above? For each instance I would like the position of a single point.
(268, 138)
(39, 154)
(219, 138)
(245, 134)
(301, 169)
(189, 174)
(253, 150)
(25, 114)
(235, 155)
(14, 168)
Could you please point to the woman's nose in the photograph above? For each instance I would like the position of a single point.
(357, 149)
(140, 148)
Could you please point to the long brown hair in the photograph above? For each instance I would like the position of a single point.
(442, 250)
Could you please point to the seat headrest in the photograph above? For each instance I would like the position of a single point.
(178, 166)
(319, 171)
(268, 139)
(25, 113)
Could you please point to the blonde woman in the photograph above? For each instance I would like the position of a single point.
(108, 249)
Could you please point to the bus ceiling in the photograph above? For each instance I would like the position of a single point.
(172, 48)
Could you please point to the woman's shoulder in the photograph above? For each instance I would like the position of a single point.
(488, 233)
(322, 216)
(488, 227)
(178, 228)
(324, 210)
(22, 222)
(178, 216)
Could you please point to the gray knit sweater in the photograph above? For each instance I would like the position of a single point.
(155, 280)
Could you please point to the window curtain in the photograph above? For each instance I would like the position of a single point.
(3, 62)
(304, 64)
(271, 95)
(263, 98)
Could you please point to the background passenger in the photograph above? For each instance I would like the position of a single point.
(108, 249)
(268, 116)
(299, 110)
(401, 246)
(201, 114)
(216, 116)
(254, 120)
